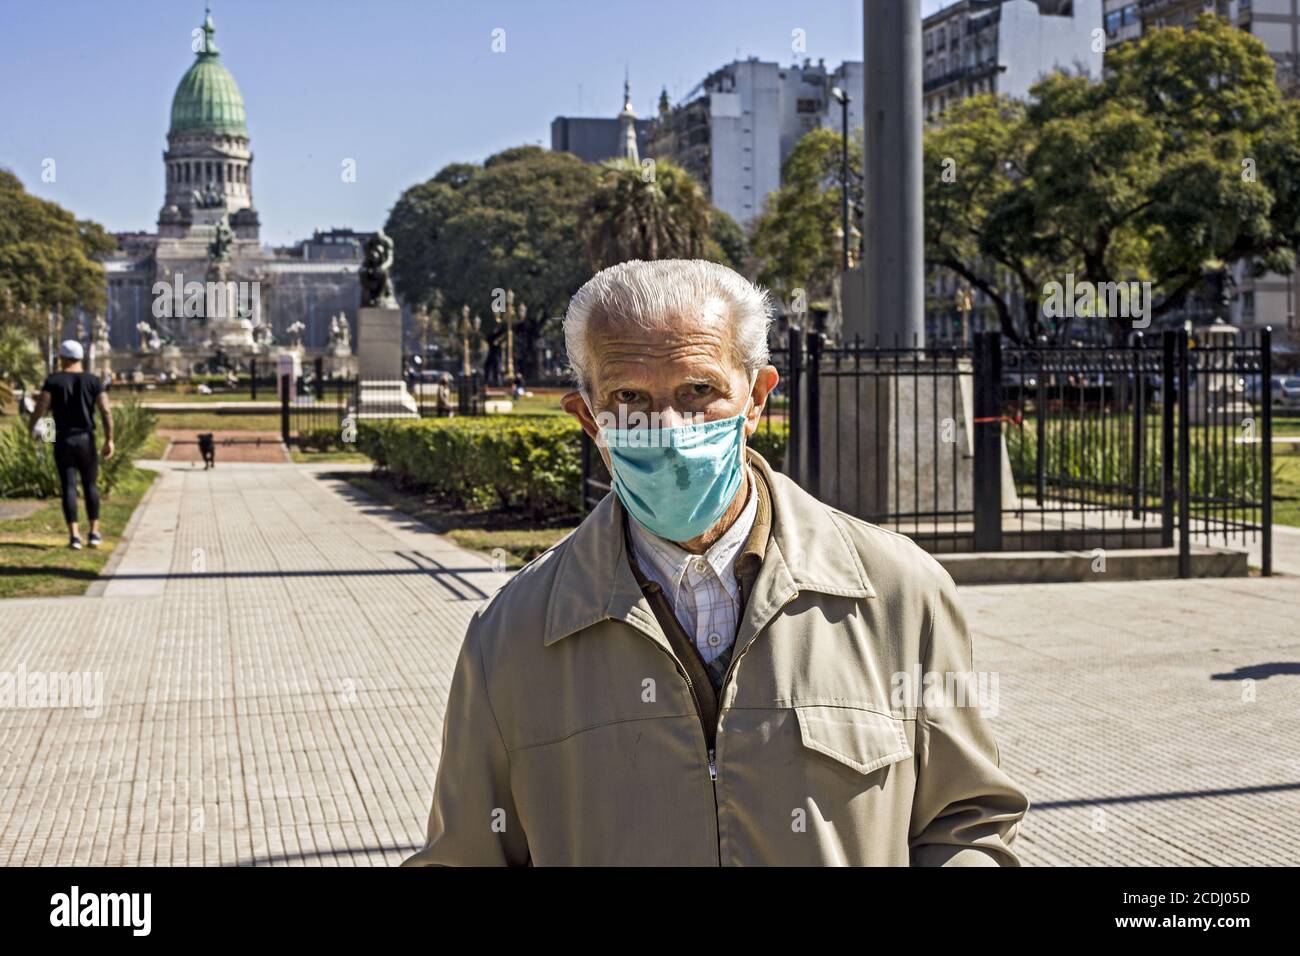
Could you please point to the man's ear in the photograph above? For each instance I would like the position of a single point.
(764, 382)
(576, 406)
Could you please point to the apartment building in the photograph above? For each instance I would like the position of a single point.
(735, 129)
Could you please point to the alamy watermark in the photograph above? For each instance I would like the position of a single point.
(1086, 299)
(937, 690)
(40, 690)
(635, 429)
(177, 299)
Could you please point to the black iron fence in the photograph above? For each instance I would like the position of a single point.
(313, 407)
(1028, 448)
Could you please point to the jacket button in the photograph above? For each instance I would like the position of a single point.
(714, 640)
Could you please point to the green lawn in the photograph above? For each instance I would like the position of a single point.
(548, 404)
(149, 397)
(215, 421)
(311, 457)
(35, 560)
(154, 447)
(1286, 487)
(482, 531)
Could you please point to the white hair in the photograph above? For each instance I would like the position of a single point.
(657, 295)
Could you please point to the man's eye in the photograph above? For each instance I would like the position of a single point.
(701, 388)
(625, 397)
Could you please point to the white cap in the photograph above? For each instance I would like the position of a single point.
(71, 349)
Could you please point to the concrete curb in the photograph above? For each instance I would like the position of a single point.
(97, 586)
(1062, 567)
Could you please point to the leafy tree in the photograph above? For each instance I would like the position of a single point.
(512, 223)
(795, 239)
(972, 163)
(638, 212)
(726, 242)
(47, 257)
(20, 358)
(1183, 154)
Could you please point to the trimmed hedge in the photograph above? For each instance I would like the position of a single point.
(531, 463)
(322, 439)
(770, 441)
(500, 461)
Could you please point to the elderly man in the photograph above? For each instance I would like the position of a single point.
(708, 669)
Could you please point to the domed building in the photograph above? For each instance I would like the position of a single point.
(208, 152)
(208, 232)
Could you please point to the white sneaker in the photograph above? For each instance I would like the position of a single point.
(75, 543)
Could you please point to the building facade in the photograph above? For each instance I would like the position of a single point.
(208, 209)
(737, 127)
(594, 139)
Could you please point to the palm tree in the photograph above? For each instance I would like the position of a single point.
(20, 361)
(646, 212)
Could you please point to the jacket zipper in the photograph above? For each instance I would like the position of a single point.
(722, 692)
(711, 752)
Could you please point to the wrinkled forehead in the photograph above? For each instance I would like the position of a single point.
(687, 342)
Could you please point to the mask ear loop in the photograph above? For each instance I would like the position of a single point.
(744, 418)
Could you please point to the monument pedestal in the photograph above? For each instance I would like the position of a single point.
(902, 444)
(382, 391)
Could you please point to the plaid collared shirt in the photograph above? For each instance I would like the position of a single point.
(701, 588)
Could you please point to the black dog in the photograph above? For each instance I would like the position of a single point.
(208, 448)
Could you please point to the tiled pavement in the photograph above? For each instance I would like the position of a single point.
(275, 654)
(275, 663)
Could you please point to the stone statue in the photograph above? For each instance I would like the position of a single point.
(263, 335)
(340, 335)
(149, 340)
(294, 332)
(101, 335)
(219, 248)
(376, 284)
(209, 197)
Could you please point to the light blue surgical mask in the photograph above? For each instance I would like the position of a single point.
(678, 481)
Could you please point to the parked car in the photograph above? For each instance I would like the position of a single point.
(1286, 391)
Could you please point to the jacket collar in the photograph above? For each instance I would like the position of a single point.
(808, 552)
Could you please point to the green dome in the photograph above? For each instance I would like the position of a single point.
(207, 99)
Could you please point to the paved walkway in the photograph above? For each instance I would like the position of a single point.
(275, 651)
(275, 661)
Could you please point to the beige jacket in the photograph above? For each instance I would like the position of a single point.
(572, 735)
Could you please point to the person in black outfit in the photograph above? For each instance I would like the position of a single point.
(72, 395)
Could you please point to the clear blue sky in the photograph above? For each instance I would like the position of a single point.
(401, 86)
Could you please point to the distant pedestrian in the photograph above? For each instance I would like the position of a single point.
(72, 395)
(442, 395)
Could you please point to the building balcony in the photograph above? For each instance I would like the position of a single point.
(964, 73)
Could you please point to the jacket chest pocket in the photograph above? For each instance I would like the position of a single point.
(862, 740)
